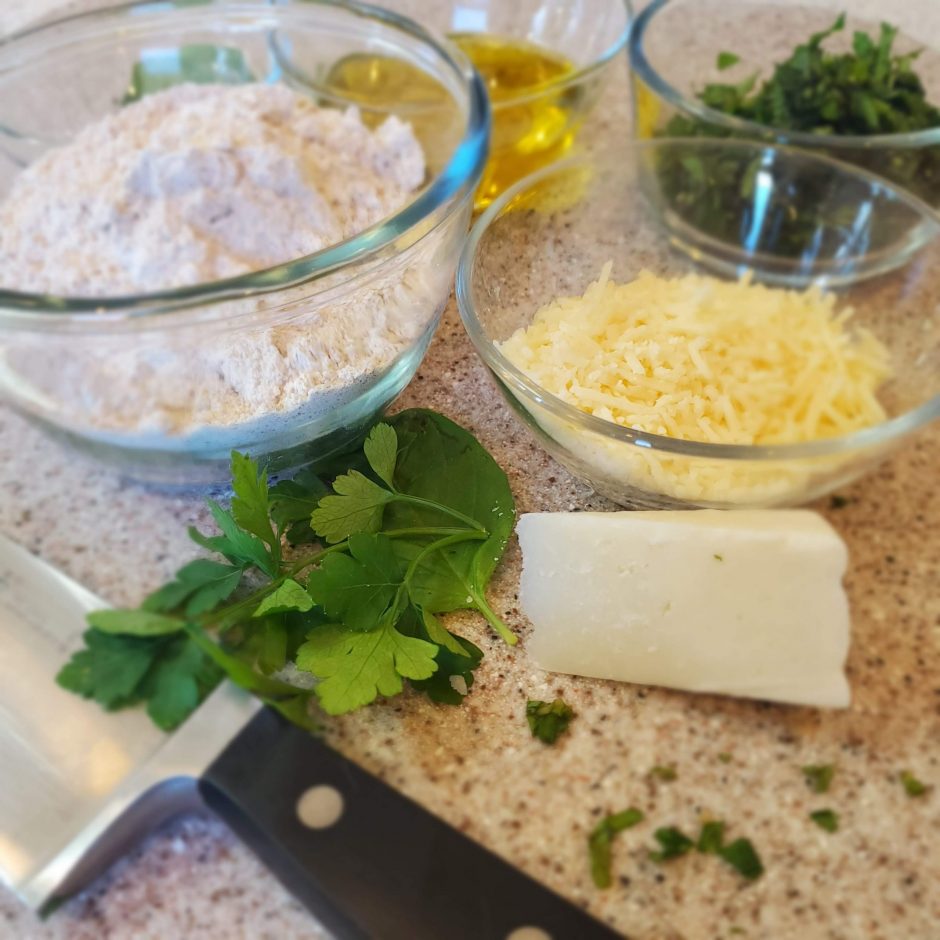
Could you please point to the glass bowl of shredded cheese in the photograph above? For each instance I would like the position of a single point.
(666, 375)
(205, 246)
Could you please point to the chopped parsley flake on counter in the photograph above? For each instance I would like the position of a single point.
(740, 854)
(548, 720)
(818, 776)
(743, 858)
(666, 773)
(602, 836)
(825, 819)
(912, 786)
(711, 838)
(724, 757)
(674, 843)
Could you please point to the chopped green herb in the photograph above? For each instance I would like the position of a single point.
(711, 838)
(819, 776)
(743, 858)
(600, 839)
(724, 757)
(839, 502)
(868, 90)
(673, 843)
(548, 720)
(912, 786)
(419, 536)
(726, 60)
(825, 819)
(718, 557)
(665, 773)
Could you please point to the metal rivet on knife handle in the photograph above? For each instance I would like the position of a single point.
(321, 807)
(529, 933)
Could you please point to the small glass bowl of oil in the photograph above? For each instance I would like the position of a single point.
(544, 63)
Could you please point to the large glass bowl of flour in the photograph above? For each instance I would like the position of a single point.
(207, 246)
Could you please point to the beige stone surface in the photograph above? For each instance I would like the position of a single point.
(478, 767)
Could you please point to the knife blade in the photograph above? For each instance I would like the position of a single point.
(81, 785)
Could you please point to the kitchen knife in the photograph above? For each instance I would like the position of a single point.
(80, 786)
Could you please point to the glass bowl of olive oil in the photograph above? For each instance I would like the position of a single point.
(544, 64)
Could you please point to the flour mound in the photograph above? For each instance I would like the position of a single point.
(194, 184)
(198, 183)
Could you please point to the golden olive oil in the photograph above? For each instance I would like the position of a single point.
(534, 113)
(533, 121)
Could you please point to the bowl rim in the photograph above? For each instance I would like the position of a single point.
(879, 434)
(643, 68)
(563, 82)
(435, 202)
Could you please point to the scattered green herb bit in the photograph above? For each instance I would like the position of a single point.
(724, 757)
(726, 60)
(420, 535)
(825, 819)
(665, 773)
(819, 776)
(161, 68)
(912, 786)
(742, 857)
(839, 502)
(736, 931)
(718, 557)
(711, 838)
(600, 840)
(548, 720)
(674, 843)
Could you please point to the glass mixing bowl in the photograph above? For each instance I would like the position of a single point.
(70, 363)
(551, 234)
(538, 125)
(674, 47)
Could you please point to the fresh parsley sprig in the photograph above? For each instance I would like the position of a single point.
(413, 530)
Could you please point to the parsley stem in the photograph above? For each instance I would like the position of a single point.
(492, 619)
(446, 510)
(454, 539)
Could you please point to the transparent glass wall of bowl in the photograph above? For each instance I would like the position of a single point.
(66, 370)
(292, 375)
(552, 236)
(674, 50)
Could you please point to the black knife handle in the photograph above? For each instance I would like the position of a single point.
(387, 868)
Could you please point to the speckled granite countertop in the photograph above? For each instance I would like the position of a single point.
(478, 767)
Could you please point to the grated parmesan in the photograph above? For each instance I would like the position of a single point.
(697, 358)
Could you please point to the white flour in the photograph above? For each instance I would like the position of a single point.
(195, 184)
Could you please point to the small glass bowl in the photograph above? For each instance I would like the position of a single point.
(535, 128)
(135, 380)
(550, 236)
(674, 46)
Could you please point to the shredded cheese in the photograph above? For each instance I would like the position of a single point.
(697, 358)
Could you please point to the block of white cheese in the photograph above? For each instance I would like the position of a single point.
(746, 603)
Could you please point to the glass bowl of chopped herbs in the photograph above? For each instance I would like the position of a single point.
(669, 367)
(851, 79)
